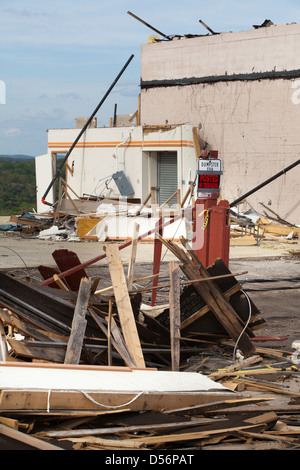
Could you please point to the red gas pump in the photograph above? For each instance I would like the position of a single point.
(211, 227)
(211, 216)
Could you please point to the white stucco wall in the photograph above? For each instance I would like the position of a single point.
(101, 152)
(253, 123)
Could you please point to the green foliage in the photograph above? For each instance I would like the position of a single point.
(17, 186)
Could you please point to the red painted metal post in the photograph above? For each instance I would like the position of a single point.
(157, 257)
(202, 228)
(211, 224)
(219, 233)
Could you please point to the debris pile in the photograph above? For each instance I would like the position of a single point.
(107, 219)
(101, 218)
(57, 333)
(252, 228)
(207, 308)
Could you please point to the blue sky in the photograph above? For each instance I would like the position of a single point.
(59, 57)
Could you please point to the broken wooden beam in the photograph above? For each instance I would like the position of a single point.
(26, 439)
(124, 307)
(114, 337)
(174, 297)
(79, 323)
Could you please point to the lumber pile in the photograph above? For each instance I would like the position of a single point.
(240, 422)
(268, 226)
(75, 322)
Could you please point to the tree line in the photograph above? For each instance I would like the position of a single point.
(17, 186)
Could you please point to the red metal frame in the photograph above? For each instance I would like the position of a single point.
(215, 235)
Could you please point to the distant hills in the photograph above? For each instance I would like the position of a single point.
(17, 157)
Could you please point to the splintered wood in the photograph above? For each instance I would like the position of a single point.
(110, 326)
(78, 322)
(124, 305)
(175, 314)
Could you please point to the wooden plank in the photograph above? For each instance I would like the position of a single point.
(246, 240)
(38, 365)
(279, 229)
(26, 439)
(174, 300)
(53, 352)
(189, 436)
(258, 386)
(60, 282)
(219, 405)
(116, 338)
(11, 423)
(143, 205)
(153, 194)
(156, 258)
(79, 323)
(132, 256)
(264, 436)
(189, 191)
(94, 442)
(124, 307)
(32, 401)
(3, 345)
(108, 320)
(66, 433)
(10, 318)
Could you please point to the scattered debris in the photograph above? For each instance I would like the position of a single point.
(251, 228)
(91, 367)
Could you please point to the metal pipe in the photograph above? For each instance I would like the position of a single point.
(207, 27)
(84, 129)
(149, 26)
(282, 172)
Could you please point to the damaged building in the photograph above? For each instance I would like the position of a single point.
(122, 161)
(241, 91)
(235, 92)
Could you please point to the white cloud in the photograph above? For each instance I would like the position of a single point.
(68, 96)
(13, 131)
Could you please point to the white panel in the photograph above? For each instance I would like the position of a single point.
(104, 380)
(43, 175)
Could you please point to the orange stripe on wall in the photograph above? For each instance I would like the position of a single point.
(152, 143)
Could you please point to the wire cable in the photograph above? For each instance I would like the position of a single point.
(246, 325)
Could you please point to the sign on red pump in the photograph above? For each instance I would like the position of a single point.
(208, 176)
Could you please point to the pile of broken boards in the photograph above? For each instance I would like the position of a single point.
(252, 228)
(96, 371)
(212, 308)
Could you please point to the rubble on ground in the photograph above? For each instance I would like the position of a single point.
(205, 325)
